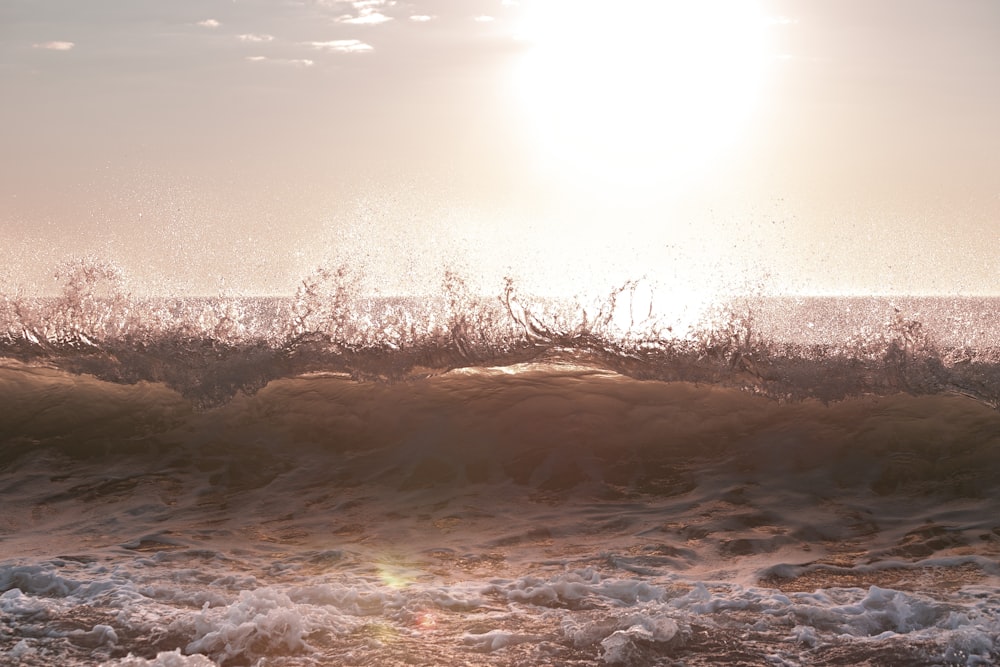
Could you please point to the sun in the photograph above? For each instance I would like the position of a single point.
(637, 93)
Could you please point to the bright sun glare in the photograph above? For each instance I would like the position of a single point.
(638, 92)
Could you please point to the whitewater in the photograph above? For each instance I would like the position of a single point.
(341, 478)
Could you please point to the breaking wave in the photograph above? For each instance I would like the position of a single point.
(209, 349)
(647, 477)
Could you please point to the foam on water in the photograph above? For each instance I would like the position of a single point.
(558, 614)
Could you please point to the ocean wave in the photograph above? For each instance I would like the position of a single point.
(338, 478)
(211, 349)
(548, 427)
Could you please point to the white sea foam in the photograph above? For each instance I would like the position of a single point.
(620, 646)
(586, 612)
(167, 659)
(257, 623)
(494, 640)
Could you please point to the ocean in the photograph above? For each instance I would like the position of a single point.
(332, 478)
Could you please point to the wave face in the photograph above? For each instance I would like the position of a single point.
(330, 479)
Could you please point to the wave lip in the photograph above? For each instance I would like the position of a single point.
(212, 349)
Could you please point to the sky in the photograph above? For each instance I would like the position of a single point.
(233, 146)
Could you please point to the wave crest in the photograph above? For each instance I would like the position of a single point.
(211, 348)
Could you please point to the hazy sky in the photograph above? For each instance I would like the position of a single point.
(201, 145)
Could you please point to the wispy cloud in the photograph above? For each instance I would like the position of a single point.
(209, 23)
(421, 18)
(252, 37)
(343, 46)
(484, 19)
(296, 62)
(54, 46)
(362, 12)
(364, 18)
(369, 5)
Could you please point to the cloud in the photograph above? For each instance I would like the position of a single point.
(366, 17)
(209, 23)
(363, 12)
(370, 5)
(251, 37)
(297, 62)
(54, 46)
(421, 18)
(484, 19)
(343, 46)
